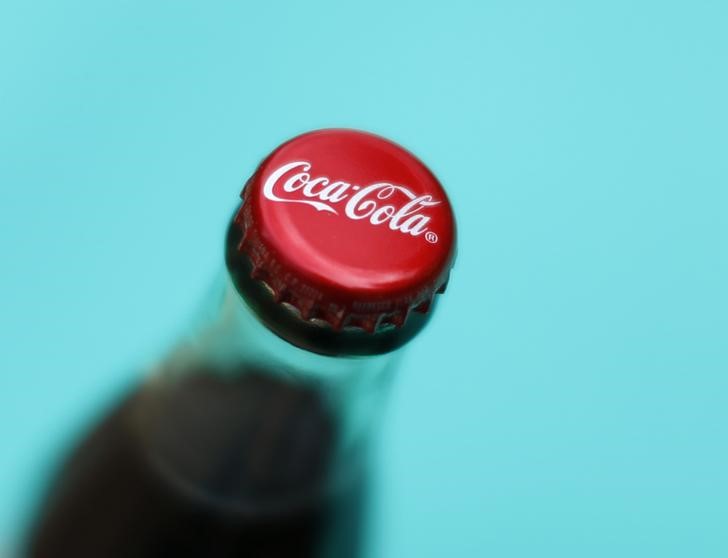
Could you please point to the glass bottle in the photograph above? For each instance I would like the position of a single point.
(250, 437)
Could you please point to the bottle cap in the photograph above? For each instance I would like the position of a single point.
(348, 229)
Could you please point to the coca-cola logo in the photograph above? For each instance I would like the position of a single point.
(380, 203)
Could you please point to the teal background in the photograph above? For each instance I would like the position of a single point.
(571, 397)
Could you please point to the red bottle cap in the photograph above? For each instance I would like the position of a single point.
(349, 228)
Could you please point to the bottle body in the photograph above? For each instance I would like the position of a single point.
(237, 443)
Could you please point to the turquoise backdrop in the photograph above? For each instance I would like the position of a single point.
(571, 397)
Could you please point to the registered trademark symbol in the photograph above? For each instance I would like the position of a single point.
(431, 237)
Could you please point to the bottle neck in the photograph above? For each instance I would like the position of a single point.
(229, 333)
(232, 387)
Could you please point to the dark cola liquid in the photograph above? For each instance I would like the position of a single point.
(208, 465)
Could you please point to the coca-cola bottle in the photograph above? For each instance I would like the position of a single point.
(249, 438)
